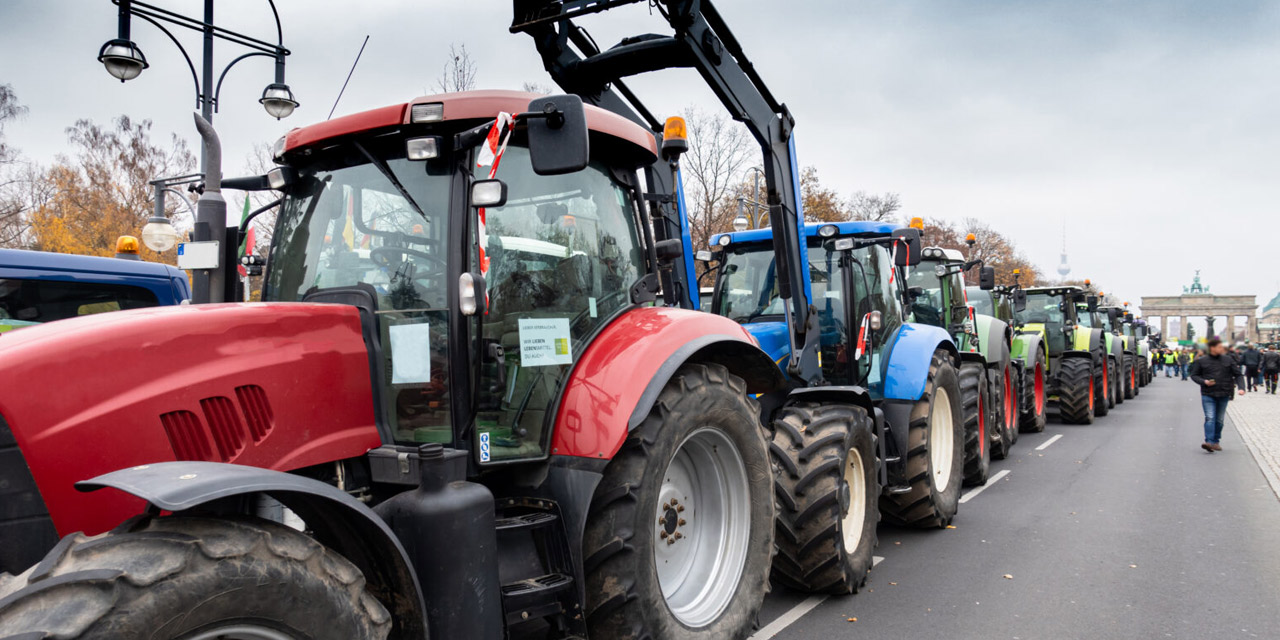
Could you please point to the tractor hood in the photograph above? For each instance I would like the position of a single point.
(772, 337)
(279, 386)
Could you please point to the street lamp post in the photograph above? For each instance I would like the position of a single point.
(742, 223)
(123, 59)
(158, 234)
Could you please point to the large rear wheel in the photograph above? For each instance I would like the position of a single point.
(192, 578)
(977, 409)
(935, 453)
(1077, 398)
(1004, 404)
(1103, 399)
(827, 486)
(1033, 394)
(679, 535)
(1131, 377)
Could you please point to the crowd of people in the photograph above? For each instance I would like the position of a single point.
(1222, 371)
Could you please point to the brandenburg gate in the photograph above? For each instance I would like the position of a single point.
(1196, 301)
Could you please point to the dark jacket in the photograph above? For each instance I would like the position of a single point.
(1251, 358)
(1222, 369)
(1271, 361)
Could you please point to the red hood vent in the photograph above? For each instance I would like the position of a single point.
(230, 428)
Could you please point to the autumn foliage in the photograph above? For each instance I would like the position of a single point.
(101, 191)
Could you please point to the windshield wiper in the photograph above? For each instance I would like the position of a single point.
(391, 177)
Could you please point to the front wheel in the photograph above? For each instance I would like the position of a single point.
(977, 407)
(1077, 398)
(189, 577)
(935, 453)
(679, 534)
(826, 481)
(1103, 399)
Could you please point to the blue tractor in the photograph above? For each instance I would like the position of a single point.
(876, 428)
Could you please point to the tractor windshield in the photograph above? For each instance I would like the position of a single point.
(385, 227)
(928, 303)
(981, 301)
(749, 286)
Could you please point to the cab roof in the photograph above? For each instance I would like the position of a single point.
(465, 105)
(50, 263)
(859, 228)
(938, 253)
(1055, 290)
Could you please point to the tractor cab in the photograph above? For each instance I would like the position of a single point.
(481, 271)
(939, 297)
(847, 286)
(1054, 311)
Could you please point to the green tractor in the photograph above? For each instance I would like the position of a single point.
(938, 297)
(1115, 362)
(1075, 350)
(1138, 328)
(1029, 359)
(1119, 323)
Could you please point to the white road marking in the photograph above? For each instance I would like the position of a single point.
(1049, 442)
(973, 493)
(787, 619)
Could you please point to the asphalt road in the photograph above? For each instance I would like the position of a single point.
(1120, 529)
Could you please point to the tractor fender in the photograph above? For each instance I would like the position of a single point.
(1024, 349)
(854, 395)
(618, 378)
(995, 335)
(335, 519)
(907, 366)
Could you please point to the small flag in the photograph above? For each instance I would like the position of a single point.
(246, 245)
(490, 155)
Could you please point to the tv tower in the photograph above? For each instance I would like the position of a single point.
(1063, 267)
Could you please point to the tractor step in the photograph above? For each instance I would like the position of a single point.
(527, 521)
(535, 598)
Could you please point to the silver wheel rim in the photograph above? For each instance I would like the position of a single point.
(941, 439)
(241, 632)
(704, 526)
(856, 511)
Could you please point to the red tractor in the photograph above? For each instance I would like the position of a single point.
(458, 411)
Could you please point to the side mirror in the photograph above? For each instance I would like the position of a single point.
(488, 193)
(1113, 314)
(907, 247)
(1093, 303)
(1019, 301)
(558, 138)
(987, 278)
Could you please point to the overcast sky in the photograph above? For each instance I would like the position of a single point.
(1149, 127)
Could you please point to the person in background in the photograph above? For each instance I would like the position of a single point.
(1184, 359)
(1157, 362)
(1219, 378)
(1251, 359)
(1271, 369)
(1170, 363)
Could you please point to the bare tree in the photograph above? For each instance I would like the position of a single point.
(876, 208)
(719, 152)
(459, 72)
(535, 87)
(15, 177)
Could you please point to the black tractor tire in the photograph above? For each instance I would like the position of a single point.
(977, 412)
(1103, 399)
(1034, 400)
(624, 595)
(1121, 389)
(1004, 411)
(1077, 402)
(1132, 381)
(813, 447)
(175, 576)
(934, 495)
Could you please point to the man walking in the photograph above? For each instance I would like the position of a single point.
(1251, 360)
(1183, 361)
(1218, 376)
(1170, 361)
(1271, 369)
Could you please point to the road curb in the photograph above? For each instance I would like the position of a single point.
(1252, 440)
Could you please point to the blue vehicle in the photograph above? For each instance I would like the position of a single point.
(38, 287)
(873, 368)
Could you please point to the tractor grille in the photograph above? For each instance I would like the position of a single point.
(257, 412)
(186, 435)
(226, 429)
(225, 424)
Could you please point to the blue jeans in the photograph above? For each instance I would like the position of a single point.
(1183, 368)
(1215, 412)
